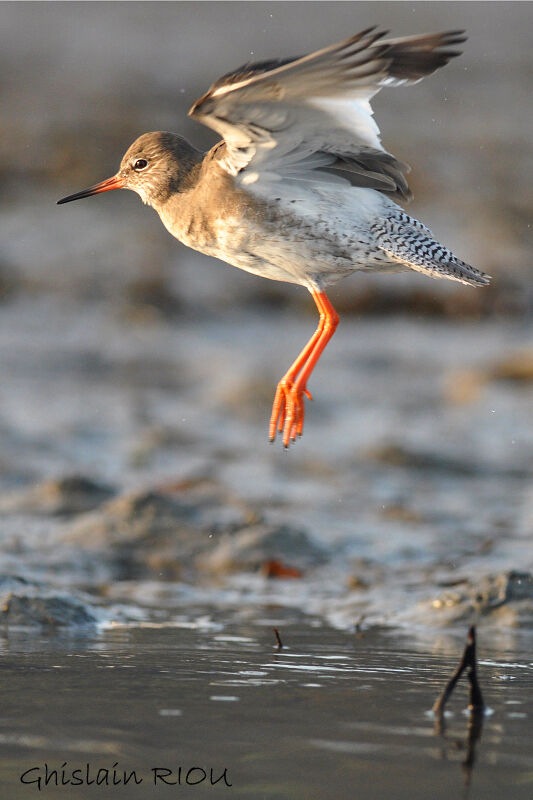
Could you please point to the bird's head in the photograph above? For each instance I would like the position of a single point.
(155, 166)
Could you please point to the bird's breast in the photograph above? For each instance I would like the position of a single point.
(215, 219)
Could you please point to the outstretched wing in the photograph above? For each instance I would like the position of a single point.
(310, 117)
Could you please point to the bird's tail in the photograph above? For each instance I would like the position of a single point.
(407, 241)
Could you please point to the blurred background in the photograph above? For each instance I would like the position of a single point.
(135, 364)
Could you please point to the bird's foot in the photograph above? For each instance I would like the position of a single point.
(288, 411)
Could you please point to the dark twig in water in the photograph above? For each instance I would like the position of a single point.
(476, 705)
(468, 662)
(359, 626)
(278, 639)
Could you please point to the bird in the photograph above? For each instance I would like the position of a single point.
(299, 188)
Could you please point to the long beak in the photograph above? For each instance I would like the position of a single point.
(105, 186)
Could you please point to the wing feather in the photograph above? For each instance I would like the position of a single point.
(311, 114)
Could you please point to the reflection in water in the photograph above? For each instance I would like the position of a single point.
(474, 731)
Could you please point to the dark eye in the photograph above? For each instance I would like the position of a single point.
(140, 164)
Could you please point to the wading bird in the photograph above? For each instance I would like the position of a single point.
(299, 189)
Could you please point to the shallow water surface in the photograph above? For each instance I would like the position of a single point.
(330, 715)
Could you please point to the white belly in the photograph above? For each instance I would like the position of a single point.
(296, 231)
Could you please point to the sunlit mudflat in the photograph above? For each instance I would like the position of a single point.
(137, 476)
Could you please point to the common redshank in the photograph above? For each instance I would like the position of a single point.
(299, 188)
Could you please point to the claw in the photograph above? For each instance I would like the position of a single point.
(294, 416)
(288, 412)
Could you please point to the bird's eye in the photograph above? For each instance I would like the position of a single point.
(140, 164)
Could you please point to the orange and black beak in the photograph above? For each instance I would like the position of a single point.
(105, 186)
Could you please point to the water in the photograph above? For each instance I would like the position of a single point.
(330, 715)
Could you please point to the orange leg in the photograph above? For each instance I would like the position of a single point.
(286, 384)
(288, 409)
